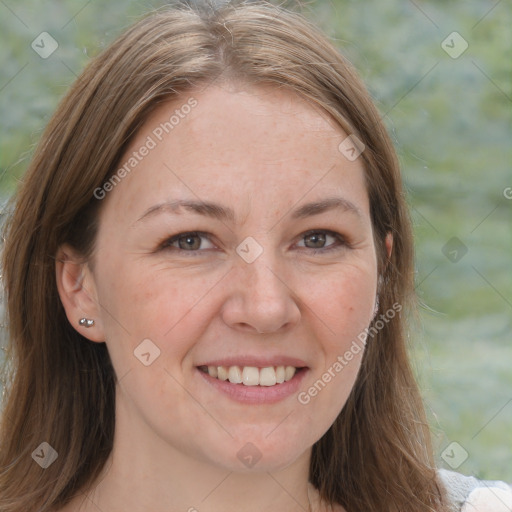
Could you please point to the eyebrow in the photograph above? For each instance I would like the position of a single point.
(225, 213)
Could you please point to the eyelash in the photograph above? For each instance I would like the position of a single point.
(340, 243)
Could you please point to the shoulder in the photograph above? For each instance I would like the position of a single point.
(469, 494)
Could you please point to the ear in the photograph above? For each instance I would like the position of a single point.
(389, 249)
(389, 244)
(77, 291)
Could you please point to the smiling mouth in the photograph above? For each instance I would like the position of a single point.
(252, 375)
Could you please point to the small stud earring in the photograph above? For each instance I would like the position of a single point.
(86, 322)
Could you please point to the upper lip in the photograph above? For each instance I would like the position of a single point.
(257, 361)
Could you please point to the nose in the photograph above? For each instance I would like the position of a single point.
(261, 297)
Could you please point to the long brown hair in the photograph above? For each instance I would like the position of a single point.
(60, 388)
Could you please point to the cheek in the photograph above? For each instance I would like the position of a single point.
(342, 309)
(343, 301)
(150, 302)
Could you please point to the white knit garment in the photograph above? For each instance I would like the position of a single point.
(489, 499)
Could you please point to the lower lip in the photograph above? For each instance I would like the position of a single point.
(257, 394)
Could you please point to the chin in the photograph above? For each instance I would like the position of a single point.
(259, 453)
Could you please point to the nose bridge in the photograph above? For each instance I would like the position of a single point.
(256, 254)
(266, 301)
(261, 273)
(263, 279)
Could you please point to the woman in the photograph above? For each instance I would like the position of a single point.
(208, 270)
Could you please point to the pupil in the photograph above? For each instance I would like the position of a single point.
(190, 241)
(319, 237)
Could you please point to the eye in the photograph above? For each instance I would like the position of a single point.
(318, 239)
(191, 242)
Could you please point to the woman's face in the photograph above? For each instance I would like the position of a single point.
(270, 261)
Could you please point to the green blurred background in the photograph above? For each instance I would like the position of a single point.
(450, 118)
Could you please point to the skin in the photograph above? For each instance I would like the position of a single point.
(263, 152)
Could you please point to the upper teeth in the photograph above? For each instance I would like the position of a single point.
(252, 376)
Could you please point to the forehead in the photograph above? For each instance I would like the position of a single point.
(256, 144)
